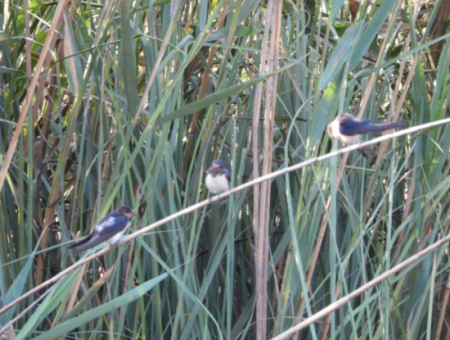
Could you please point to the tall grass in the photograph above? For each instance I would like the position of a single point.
(133, 101)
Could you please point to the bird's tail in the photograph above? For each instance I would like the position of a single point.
(76, 249)
(372, 128)
(82, 245)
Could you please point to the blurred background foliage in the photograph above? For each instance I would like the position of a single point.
(134, 101)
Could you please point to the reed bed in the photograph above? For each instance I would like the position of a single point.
(104, 103)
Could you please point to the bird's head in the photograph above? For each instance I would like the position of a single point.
(217, 167)
(126, 210)
(343, 116)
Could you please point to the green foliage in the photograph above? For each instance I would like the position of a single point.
(83, 152)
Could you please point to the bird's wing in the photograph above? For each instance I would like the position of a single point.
(103, 231)
(111, 225)
(351, 126)
(88, 242)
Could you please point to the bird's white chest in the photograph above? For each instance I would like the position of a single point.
(218, 184)
(333, 129)
(116, 238)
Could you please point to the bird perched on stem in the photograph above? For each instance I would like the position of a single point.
(217, 177)
(109, 229)
(347, 128)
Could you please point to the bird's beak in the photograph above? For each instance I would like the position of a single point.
(211, 168)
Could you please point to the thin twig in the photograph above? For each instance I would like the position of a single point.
(30, 93)
(217, 198)
(25, 311)
(318, 246)
(346, 299)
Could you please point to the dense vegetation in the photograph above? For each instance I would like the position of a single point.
(128, 102)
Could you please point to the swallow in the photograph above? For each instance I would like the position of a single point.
(109, 229)
(347, 128)
(217, 177)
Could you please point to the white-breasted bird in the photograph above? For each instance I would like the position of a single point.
(109, 229)
(347, 129)
(217, 177)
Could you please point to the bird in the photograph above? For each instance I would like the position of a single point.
(217, 177)
(347, 129)
(109, 229)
